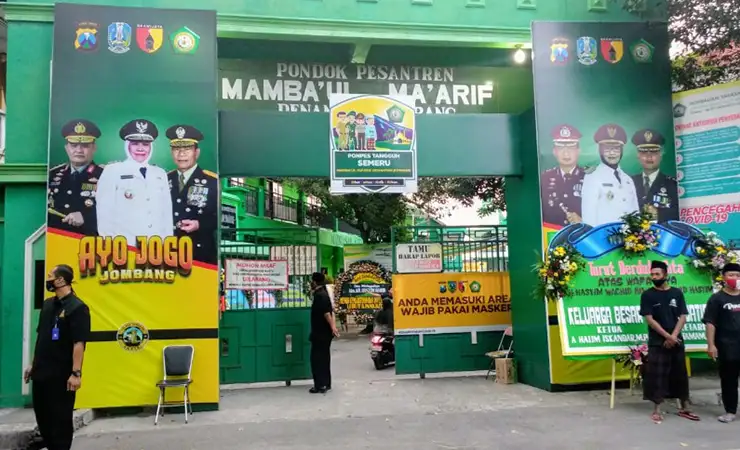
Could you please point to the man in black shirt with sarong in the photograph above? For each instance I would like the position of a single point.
(323, 331)
(665, 311)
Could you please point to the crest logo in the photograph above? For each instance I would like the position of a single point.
(586, 48)
(86, 37)
(132, 336)
(149, 38)
(141, 127)
(180, 132)
(119, 37)
(185, 41)
(612, 50)
(679, 111)
(642, 51)
(80, 128)
(559, 51)
(611, 131)
(648, 136)
(565, 132)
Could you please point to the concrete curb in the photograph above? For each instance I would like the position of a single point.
(18, 436)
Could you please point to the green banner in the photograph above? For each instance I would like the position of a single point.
(603, 316)
(133, 192)
(605, 138)
(295, 87)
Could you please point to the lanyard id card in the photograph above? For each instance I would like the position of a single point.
(55, 331)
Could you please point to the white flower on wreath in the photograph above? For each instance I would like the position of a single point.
(733, 256)
(698, 263)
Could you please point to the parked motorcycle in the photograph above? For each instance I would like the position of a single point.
(382, 350)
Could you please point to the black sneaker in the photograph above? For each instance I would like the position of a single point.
(315, 390)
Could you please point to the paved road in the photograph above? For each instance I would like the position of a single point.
(376, 410)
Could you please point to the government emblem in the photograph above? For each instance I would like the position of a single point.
(185, 41)
(642, 51)
(612, 50)
(132, 336)
(86, 36)
(559, 51)
(149, 37)
(587, 52)
(119, 37)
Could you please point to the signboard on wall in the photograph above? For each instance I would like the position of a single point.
(707, 126)
(372, 144)
(141, 237)
(228, 216)
(418, 258)
(600, 160)
(451, 302)
(256, 275)
(301, 258)
(292, 87)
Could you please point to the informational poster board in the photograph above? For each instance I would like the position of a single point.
(419, 258)
(133, 193)
(707, 126)
(372, 144)
(256, 275)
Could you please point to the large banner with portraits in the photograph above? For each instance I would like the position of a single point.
(606, 149)
(133, 192)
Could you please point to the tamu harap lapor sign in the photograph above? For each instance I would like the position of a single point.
(419, 258)
(372, 144)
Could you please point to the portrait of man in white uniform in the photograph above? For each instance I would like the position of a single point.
(134, 196)
(608, 193)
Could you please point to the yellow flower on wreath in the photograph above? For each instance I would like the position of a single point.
(559, 251)
(631, 238)
(645, 225)
(720, 249)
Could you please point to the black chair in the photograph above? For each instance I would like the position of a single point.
(177, 361)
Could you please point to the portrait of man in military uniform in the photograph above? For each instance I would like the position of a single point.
(561, 186)
(73, 186)
(657, 193)
(133, 195)
(194, 193)
(608, 192)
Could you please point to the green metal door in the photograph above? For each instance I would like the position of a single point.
(264, 334)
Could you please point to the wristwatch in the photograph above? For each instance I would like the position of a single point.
(77, 373)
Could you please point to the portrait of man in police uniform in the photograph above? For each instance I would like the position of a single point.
(133, 195)
(561, 186)
(608, 192)
(194, 193)
(73, 186)
(657, 193)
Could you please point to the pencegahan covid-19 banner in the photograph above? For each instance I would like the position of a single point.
(133, 192)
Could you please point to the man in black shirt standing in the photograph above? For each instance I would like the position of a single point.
(665, 311)
(722, 319)
(323, 330)
(56, 371)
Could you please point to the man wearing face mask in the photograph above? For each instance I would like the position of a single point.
(56, 371)
(722, 320)
(665, 311)
(608, 193)
(323, 331)
(134, 195)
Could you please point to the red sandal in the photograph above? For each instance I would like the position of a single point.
(657, 418)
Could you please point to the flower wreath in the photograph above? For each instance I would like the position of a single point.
(711, 255)
(557, 272)
(360, 317)
(636, 234)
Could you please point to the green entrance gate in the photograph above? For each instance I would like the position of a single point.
(464, 249)
(264, 334)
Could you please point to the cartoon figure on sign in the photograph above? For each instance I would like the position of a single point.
(342, 133)
(360, 128)
(352, 130)
(371, 133)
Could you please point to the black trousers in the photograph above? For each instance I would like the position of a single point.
(728, 374)
(321, 363)
(54, 409)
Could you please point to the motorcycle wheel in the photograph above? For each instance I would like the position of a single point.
(378, 364)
